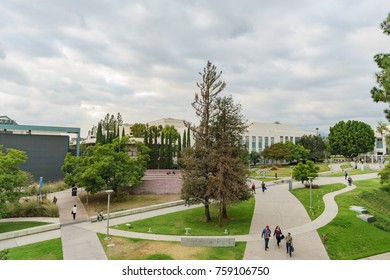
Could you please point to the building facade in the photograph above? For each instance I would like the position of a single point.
(262, 135)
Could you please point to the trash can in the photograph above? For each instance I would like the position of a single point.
(290, 185)
(74, 191)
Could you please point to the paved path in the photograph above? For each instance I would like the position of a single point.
(277, 206)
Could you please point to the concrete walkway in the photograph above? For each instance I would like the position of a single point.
(276, 206)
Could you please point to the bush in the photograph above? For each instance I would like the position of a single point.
(313, 186)
(31, 209)
(274, 167)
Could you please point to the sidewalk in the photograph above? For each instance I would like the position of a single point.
(77, 243)
(276, 206)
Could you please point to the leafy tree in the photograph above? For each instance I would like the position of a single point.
(12, 179)
(138, 130)
(351, 138)
(384, 175)
(382, 92)
(106, 166)
(297, 151)
(254, 157)
(315, 145)
(277, 151)
(303, 171)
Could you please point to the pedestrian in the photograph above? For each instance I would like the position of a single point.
(74, 211)
(100, 216)
(289, 244)
(276, 175)
(345, 174)
(266, 234)
(349, 181)
(278, 234)
(263, 187)
(253, 188)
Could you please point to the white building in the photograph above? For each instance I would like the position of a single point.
(262, 135)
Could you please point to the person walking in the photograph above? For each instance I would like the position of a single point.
(263, 187)
(74, 211)
(345, 174)
(289, 244)
(266, 234)
(253, 188)
(278, 234)
(349, 180)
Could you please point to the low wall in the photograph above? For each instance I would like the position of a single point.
(139, 210)
(28, 231)
(208, 241)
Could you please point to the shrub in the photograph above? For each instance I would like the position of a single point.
(313, 186)
(31, 209)
(274, 167)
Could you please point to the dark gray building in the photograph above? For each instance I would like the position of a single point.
(46, 147)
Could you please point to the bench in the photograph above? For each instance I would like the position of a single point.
(358, 209)
(367, 218)
(208, 242)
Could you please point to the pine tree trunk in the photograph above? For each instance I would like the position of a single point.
(207, 212)
(224, 211)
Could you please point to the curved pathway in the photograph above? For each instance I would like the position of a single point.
(276, 206)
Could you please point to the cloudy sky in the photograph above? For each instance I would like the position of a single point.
(302, 62)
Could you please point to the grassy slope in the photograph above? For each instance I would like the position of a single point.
(240, 217)
(45, 250)
(12, 226)
(352, 238)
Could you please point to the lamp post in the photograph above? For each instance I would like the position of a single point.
(311, 200)
(108, 214)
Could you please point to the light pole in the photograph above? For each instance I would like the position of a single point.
(108, 214)
(311, 200)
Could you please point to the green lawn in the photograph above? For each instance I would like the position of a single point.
(352, 238)
(12, 226)
(240, 217)
(45, 250)
(303, 194)
(351, 172)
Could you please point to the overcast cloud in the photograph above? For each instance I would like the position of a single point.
(308, 63)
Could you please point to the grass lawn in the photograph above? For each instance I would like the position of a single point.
(45, 250)
(352, 238)
(351, 172)
(12, 226)
(98, 202)
(240, 217)
(303, 194)
(137, 249)
(285, 171)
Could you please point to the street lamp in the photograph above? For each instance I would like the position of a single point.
(108, 214)
(310, 182)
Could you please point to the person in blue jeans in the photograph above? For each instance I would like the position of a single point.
(266, 234)
(289, 243)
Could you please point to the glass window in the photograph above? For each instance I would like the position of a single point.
(272, 140)
(281, 139)
(260, 143)
(266, 142)
(253, 143)
(379, 143)
(247, 142)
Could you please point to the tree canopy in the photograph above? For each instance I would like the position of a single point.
(303, 171)
(351, 138)
(12, 178)
(315, 145)
(381, 93)
(106, 166)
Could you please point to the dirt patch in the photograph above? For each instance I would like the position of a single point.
(125, 249)
(98, 202)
